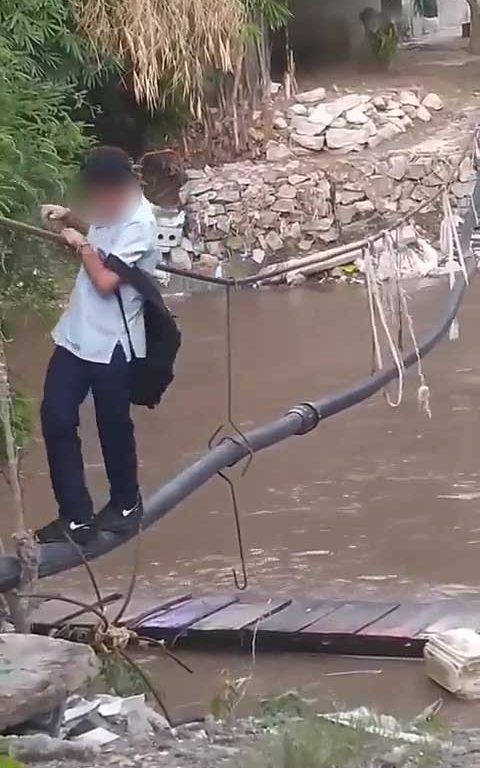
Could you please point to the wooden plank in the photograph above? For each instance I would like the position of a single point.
(350, 618)
(298, 615)
(238, 616)
(140, 610)
(184, 615)
(458, 614)
(406, 621)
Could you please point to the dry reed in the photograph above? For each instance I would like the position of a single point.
(170, 44)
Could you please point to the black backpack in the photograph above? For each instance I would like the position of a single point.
(149, 376)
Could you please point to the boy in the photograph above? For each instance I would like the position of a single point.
(92, 351)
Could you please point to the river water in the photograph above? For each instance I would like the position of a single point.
(376, 502)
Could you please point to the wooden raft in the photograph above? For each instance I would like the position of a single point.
(229, 622)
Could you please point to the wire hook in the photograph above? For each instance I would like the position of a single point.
(242, 584)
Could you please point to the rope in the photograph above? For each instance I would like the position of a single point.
(377, 313)
(423, 394)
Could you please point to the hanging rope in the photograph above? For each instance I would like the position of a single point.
(377, 315)
(423, 393)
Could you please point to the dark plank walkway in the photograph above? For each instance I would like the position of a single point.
(235, 621)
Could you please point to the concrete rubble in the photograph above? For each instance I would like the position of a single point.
(364, 119)
(86, 726)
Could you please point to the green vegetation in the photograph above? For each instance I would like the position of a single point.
(296, 737)
(39, 138)
(383, 44)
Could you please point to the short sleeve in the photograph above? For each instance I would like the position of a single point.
(134, 241)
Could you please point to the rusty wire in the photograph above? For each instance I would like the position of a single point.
(241, 583)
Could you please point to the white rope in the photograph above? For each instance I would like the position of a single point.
(423, 393)
(377, 311)
(456, 239)
(447, 247)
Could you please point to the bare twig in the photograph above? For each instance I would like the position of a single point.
(167, 652)
(88, 568)
(71, 601)
(76, 614)
(133, 577)
(146, 682)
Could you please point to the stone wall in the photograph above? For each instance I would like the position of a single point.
(265, 211)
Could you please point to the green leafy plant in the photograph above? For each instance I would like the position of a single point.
(383, 44)
(39, 139)
(273, 14)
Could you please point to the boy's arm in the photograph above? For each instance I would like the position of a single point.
(104, 280)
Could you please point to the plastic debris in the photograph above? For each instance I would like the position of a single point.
(98, 737)
(363, 719)
(453, 662)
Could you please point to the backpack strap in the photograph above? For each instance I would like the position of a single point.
(138, 279)
(124, 318)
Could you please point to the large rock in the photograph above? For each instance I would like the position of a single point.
(417, 171)
(379, 103)
(356, 116)
(304, 127)
(342, 138)
(409, 99)
(466, 171)
(311, 97)
(274, 241)
(280, 123)
(397, 113)
(316, 143)
(387, 132)
(364, 207)
(432, 101)
(398, 167)
(276, 153)
(38, 674)
(347, 196)
(287, 191)
(298, 109)
(378, 188)
(325, 114)
(423, 114)
(346, 213)
(283, 205)
(180, 258)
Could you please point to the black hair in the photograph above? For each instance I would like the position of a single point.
(107, 166)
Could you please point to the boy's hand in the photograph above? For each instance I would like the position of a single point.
(74, 238)
(51, 213)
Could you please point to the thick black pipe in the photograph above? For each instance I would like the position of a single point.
(299, 420)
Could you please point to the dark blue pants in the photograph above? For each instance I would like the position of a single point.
(68, 381)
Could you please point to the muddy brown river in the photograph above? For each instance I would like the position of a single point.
(376, 502)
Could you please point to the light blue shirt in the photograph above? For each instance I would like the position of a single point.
(92, 325)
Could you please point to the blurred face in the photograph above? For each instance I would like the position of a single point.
(110, 203)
